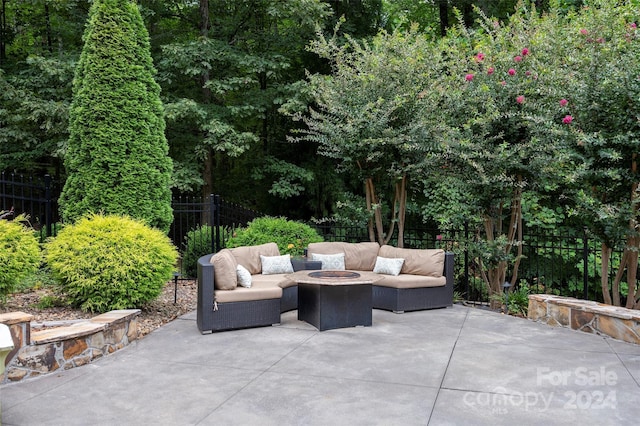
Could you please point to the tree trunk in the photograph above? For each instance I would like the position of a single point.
(605, 252)
(401, 188)
(207, 171)
(632, 271)
(47, 18)
(369, 205)
(443, 8)
(3, 29)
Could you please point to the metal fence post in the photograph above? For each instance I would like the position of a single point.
(48, 211)
(466, 257)
(215, 222)
(212, 221)
(585, 264)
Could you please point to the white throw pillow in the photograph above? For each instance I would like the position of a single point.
(388, 266)
(244, 276)
(330, 261)
(276, 264)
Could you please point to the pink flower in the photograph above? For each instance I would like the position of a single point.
(518, 58)
(584, 31)
(480, 57)
(563, 102)
(504, 83)
(525, 51)
(520, 99)
(567, 119)
(439, 237)
(600, 40)
(468, 77)
(491, 70)
(511, 71)
(527, 73)
(633, 25)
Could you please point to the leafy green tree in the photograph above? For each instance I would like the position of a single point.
(117, 160)
(226, 78)
(39, 44)
(364, 118)
(34, 116)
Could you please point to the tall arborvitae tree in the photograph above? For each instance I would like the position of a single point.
(117, 158)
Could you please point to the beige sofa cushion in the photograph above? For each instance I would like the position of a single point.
(429, 263)
(224, 270)
(249, 256)
(357, 256)
(410, 281)
(260, 290)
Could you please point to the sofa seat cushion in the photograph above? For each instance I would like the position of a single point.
(249, 256)
(275, 280)
(357, 256)
(260, 290)
(410, 281)
(429, 262)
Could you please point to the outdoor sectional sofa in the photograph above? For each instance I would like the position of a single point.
(425, 281)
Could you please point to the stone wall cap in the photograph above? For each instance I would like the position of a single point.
(589, 306)
(11, 318)
(65, 333)
(116, 316)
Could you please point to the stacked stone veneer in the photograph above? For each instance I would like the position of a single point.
(38, 352)
(591, 317)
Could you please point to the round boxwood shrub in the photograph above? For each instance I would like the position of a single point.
(291, 237)
(110, 262)
(19, 255)
(197, 244)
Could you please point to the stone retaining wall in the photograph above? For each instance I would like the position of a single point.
(584, 315)
(38, 352)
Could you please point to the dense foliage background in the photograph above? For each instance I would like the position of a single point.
(226, 67)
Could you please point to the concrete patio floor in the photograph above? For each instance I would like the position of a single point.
(453, 366)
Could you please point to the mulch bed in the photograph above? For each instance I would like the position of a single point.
(153, 315)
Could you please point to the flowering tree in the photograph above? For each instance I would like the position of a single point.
(598, 66)
(500, 137)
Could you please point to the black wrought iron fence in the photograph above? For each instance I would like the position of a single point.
(36, 197)
(567, 263)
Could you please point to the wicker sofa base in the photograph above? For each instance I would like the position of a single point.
(411, 299)
(235, 315)
(289, 301)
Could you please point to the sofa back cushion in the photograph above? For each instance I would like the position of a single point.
(249, 256)
(224, 270)
(429, 263)
(357, 256)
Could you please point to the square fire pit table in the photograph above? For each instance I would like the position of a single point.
(330, 299)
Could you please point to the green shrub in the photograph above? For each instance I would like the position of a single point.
(516, 301)
(198, 243)
(19, 255)
(110, 262)
(290, 236)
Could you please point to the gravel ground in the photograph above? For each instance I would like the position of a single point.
(153, 315)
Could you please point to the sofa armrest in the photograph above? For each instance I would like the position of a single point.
(449, 263)
(206, 287)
